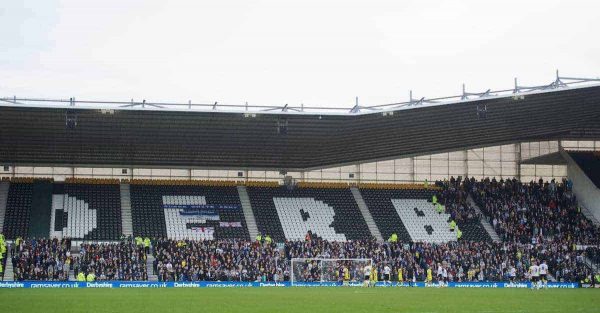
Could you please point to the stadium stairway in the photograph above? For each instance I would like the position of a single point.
(3, 199)
(149, 268)
(484, 222)
(41, 209)
(126, 221)
(74, 255)
(591, 264)
(248, 213)
(8, 270)
(364, 210)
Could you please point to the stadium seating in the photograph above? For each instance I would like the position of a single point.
(18, 210)
(41, 209)
(151, 213)
(589, 162)
(81, 220)
(300, 215)
(422, 222)
(89, 211)
(197, 221)
(472, 230)
(384, 213)
(268, 202)
(178, 226)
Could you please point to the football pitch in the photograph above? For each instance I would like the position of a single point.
(299, 300)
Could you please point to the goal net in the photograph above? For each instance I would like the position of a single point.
(327, 270)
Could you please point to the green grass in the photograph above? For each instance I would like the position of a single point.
(306, 300)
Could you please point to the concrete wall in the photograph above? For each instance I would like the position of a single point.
(587, 193)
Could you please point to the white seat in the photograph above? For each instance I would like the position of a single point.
(415, 225)
(81, 220)
(177, 224)
(319, 220)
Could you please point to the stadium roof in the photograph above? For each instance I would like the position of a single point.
(558, 84)
(132, 136)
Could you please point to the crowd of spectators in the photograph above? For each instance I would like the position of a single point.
(530, 212)
(51, 260)
(124, 261)
(41, 259)
(463, 260)
(242, 260)
(454, 198)
(216, 260)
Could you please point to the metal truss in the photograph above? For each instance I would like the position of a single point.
(560, 82)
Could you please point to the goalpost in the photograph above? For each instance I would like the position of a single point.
(326, 270)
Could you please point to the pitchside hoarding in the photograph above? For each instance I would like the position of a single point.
(205, 284)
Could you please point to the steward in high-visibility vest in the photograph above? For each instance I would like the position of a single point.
(81, 276)
(429, 278)
(439, 208)
(426, 184)
(268, 239)
(586, 280)
(400, 276)
(91, 277)
(258, 238)
(452, 225)
(434, 199)
(139, 241)
(393, 238)
(147, 245)
(458, 233)
(374, 277)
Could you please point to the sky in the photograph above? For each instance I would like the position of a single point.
(315, 52)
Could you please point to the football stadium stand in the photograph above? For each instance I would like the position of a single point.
(137, 194)
(307, 222)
